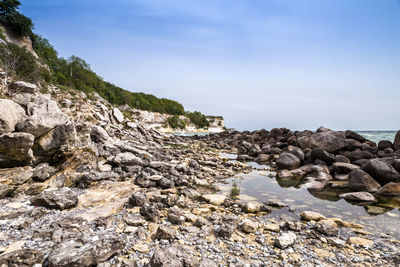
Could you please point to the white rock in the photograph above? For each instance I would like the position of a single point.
(214, 199)
(22, 87)
(249, 226)
(10, 115)
(118, 115)
(285, 240)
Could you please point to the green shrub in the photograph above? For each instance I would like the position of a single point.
(175, 123)
(198, 119)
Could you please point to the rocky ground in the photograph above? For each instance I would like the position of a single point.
(82, 184)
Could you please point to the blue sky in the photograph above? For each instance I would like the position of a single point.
(259, 63)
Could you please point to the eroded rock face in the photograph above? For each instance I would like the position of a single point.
(56, 198)
(22, 258)
(381, 171)
(359, 180)
(22, 87)
(15, 149)
(11, 114)
(76, 253)
(329, 141)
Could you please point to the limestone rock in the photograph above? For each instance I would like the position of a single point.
(165, 258)
(285, 240)
(360, 241)
(15, 149)
(127, 158)
(118, 115)
(22, 87)
(214, 199)
(49, 143)
(311, 215)
(22, 258)
(56, 198)
(164, 232)
(11, 114)
(98, 134)
(41, 124)
(249, 226)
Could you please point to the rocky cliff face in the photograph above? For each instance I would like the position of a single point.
(22, 41)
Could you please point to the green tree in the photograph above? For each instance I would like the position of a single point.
(8, 6)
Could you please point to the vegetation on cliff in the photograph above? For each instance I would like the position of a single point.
(74, 72)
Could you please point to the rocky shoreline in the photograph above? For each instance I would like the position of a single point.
(83, 184)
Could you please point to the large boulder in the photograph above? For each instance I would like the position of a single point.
(41, 124)
(295, 151)
(396, 144)
(359, 180)
(358, 196)
(344, 168)
(78, 253)
(321, 154)
(11, 114)
(127, 158)
(49, 143)
(390, 189)
(329, 141)
(22, 87)
(56, 198)
(355, 136)
(15, 149)
(42, 105)
(381, 171)
(287, 161)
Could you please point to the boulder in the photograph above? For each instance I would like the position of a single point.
(22, 258)
(41, 124)
(49, 143)
(127, 158)
(78, 253)
(359, 180)
(381, 171)
(327, 229)
(43, 105)
(252, 207)
(56, 198)
(137, 199)
(11, 114)
(311, 215)
(295, 151)
(358, 196)
(42, 172)
(214, 199)
(15, 149)
(396, 144)
(355, 136)
(390, 189)
(249, 226)
(385, 144)
(22, 87)
(165, 257)
(285, 240)
(164, 232)
(150, 212)
(287, 161)
(321, 154)
(98, 134)
(118, 115)
(329, 141)
(344, 168)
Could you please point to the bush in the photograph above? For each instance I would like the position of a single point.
(198, 119)
(18, 23)
(175, 123)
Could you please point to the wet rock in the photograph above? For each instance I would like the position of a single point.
(22, 87)
(150, 212)
(381, 171)
(359, 180)
(285, 240)
(214, 199)
(329, 141)
(11, 114)
(311, 215)
(77, 253)
(275, 203)
(396, 144)
(359, 241)
(321, 154)
(164, 232)
(56, 198)
(15, 149)
(287, 161)
(252, 207)
(344, 168)
(249, 226)
(390, 189)
(166, 258)
(316, 186)
(98, 134)
(358, 196)
(21, 258)
(137, 199)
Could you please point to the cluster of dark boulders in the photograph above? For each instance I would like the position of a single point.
(366, 166)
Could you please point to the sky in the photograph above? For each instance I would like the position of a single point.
(298, 64)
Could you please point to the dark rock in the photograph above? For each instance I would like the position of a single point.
(321, 154)
(341, 158)
(390, 189)
(329, 141)
(396, 144)
(355, 136)
(22, 258)
(381, 171)
(150, 212)
(137, 199)
(56, 198)
(295, 151)
(327, 229)
(359, 180)
(344, 168)
(396, 164)
(287, 161)
(15, 149)
(42, 172)
(385, 144)
(164, 232)
(275, 133)
(358, 196)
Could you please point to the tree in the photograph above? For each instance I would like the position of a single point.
(10, 61)
(8, 6)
